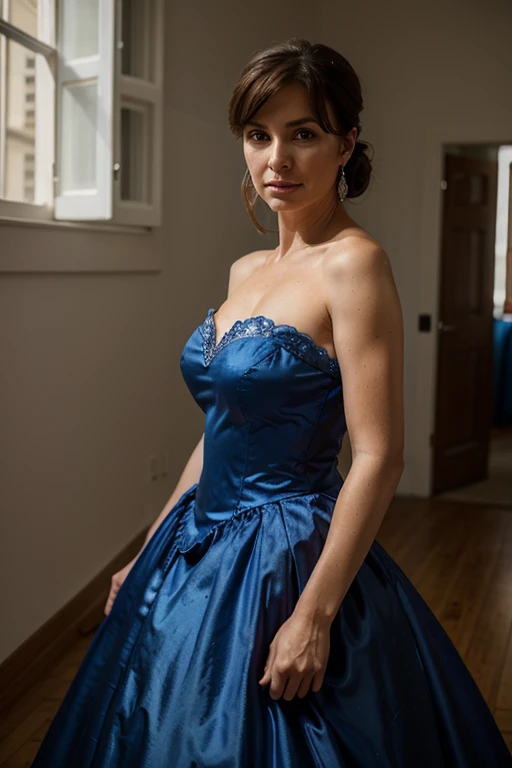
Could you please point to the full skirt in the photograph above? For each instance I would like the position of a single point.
(170, 679)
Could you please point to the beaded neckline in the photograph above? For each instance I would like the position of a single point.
(296, 341)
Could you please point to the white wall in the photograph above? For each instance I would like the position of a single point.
(90, 379)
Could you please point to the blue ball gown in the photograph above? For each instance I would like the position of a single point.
(170, 679)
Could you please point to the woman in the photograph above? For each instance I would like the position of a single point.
(261, 624)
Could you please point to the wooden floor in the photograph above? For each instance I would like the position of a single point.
(459, 557)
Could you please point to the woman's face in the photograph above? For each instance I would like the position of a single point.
(301, 153)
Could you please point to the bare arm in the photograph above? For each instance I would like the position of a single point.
(368, 337)
(188, 477)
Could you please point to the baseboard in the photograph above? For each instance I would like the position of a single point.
(29, 664)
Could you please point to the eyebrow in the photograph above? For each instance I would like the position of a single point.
(300, 121)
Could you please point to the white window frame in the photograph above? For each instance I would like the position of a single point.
(104, 210)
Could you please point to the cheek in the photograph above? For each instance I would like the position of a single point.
(320, 167)
(253, 156)
(256, 162)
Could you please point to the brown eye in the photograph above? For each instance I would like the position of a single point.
(306, 130)
(310, 135)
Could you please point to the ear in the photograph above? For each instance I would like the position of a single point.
(348, 145)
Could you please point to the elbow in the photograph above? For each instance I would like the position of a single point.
(386, 463)
(386, 458)
(392, 468)
(394, 462)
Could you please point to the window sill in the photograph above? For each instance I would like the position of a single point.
(48, 245)
(86, 226)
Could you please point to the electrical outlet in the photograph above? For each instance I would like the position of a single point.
(153, 467)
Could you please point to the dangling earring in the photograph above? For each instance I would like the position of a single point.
(249, 197)
(250, 189)
(342, 186)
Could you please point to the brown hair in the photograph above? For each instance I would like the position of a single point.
(328, 77)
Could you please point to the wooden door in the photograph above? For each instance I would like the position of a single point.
(464, 394)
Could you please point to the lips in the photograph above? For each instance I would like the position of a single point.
(282, 184)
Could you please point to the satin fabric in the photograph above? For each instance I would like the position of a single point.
(170, 678)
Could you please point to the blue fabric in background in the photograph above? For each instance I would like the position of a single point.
(502, 371)
(170, 679)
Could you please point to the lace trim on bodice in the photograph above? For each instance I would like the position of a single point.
(297, 342)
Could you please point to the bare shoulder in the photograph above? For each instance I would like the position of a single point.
(359, 284)
(356, 255)
(244, 266)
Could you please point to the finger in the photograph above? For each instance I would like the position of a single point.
(266, 676)
(317, 681)
(291, 688)
(110, 600)
(268, 666)
(277, 685)
(305, 685)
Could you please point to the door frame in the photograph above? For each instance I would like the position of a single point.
(425, 352)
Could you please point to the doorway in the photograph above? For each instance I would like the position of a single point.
(472, 439)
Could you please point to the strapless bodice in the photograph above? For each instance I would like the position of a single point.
(274, 414)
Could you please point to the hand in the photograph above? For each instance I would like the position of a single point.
(297, 658)
(115, 585)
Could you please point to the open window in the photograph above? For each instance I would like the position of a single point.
(81, 110)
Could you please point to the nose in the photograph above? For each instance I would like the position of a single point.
(279, 156)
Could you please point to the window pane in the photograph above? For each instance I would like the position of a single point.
(136, 152)
(81, 28)
(138, 36)
(22, 14)
(78, 129)
(20, 122)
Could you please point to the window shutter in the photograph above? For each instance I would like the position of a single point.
(85, 106)
(138, 122)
